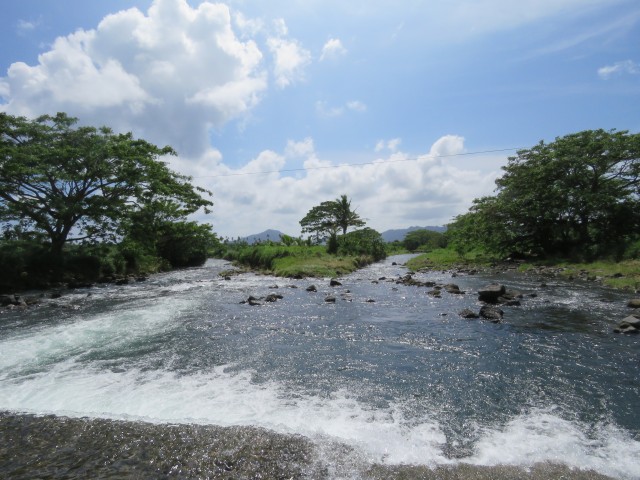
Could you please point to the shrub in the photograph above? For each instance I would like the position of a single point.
(185, 244)
(362, 242)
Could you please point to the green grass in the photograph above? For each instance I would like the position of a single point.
(314, 266)
(444, 258)
(292, 261)
(622, 275)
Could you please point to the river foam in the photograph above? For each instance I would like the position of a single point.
(382, 435)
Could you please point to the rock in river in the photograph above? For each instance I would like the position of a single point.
(467, 313)
(491, 293)
(631, 324)
(491, 313)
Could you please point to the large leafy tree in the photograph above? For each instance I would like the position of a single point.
(425, 239)
(76, 183)
(578, 195)
(330, 217)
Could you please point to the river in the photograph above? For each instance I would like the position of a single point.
(175, 378)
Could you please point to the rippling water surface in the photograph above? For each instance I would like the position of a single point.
(175, 376)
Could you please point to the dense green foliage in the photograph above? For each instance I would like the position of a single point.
(424, 240)
(353, 250)
(59, 180)
(324, 221)
(295, 260)
(576, 197)
(83, 204)
(366, 242)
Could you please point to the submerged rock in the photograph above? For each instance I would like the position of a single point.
(312, 288)
(272, 297)
(467, 313)
(491, 313)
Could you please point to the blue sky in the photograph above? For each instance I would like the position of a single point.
(298, 88)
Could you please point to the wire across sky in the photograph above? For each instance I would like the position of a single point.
(382, 162)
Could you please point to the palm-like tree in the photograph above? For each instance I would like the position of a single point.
(326, 219)
(343, 215)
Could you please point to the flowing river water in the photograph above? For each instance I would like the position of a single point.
(175, 378)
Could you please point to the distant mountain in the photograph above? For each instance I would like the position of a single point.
(388, 235)
(393, 235)
(273, 235)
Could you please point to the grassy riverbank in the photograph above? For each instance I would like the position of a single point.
(292, 261)
(621, 275)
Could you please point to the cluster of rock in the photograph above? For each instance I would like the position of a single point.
(346, 295)
(254, 301)
(493, 295)
(13, 301)
(630, 324)
(451, 288)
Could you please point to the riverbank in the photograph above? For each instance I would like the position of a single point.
(624, 275)
(297, 261)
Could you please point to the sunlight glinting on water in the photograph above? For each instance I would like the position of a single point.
(87, 366)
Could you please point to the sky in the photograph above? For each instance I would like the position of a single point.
(410, 108)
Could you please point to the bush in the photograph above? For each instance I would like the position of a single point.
(185, 244)
(362, 242)
(632, 252)
(424, 240)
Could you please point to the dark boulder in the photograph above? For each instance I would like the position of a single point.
(272, 297)
(6, 300)
(634, 303)
(630, 324)
(330, 299)
(467, 313)
(491, 293)
(453, 288)
(312, 288)
(491, 313)
(253, 301)
(334, 283)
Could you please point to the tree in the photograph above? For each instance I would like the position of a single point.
(64, 180)
(364, 242)
(427, 239)
(576, 196)
(326, 219)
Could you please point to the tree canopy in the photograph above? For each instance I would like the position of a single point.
(72, 182)
(425, 239)
(326, 219)
(576, 196)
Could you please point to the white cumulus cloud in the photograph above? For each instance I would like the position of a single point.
(393, 191)
(169, 74)
(290, 60)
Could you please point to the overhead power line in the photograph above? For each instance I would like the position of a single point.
(384, 162)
